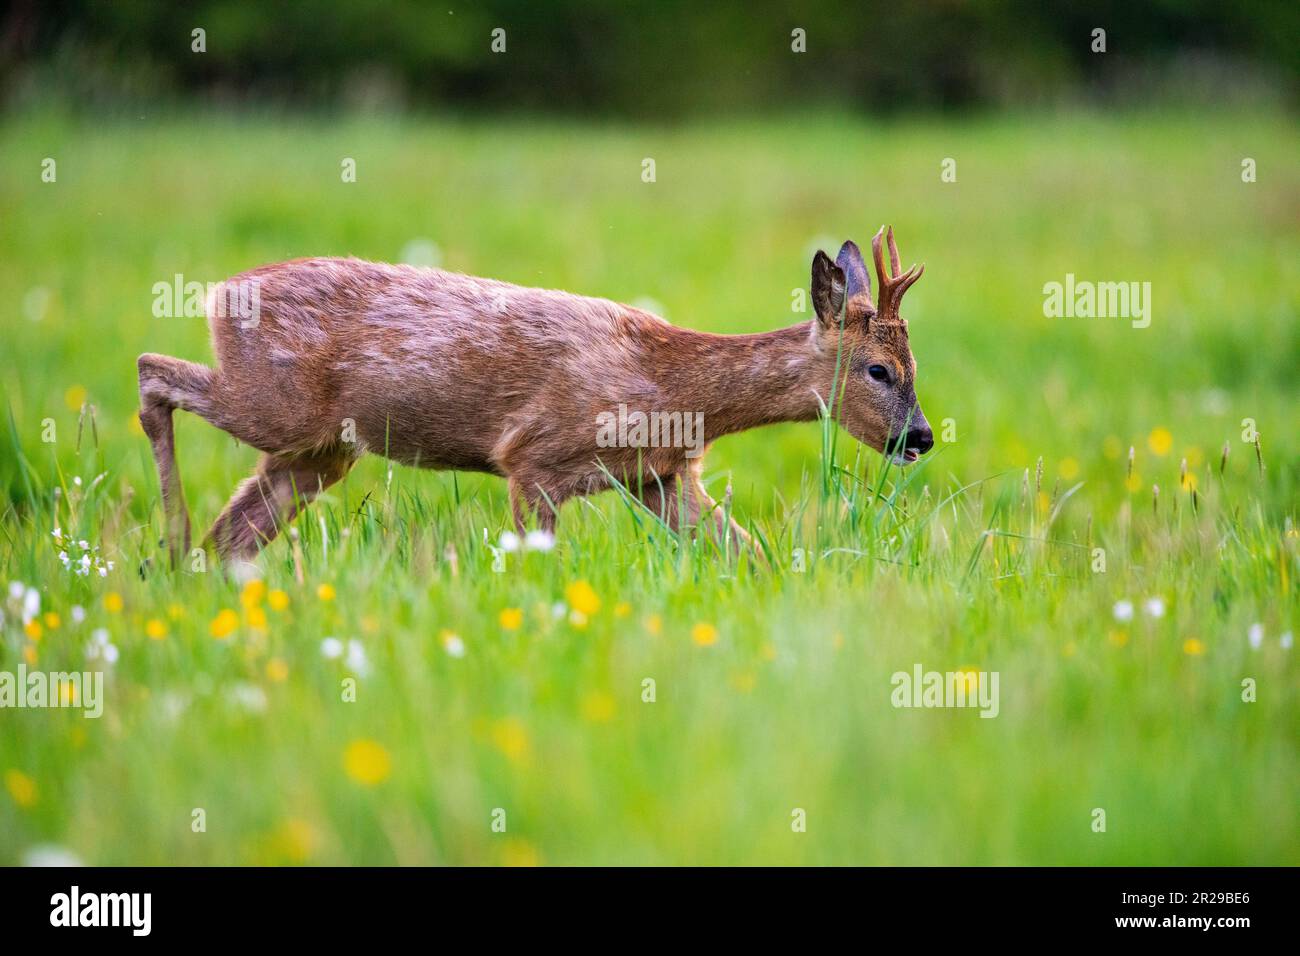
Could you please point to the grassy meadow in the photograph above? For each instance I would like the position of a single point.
(501, 716)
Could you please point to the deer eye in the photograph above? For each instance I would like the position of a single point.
(879, 373)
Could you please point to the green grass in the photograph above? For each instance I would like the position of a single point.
(969, 560)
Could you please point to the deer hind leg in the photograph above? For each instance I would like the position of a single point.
(166, 384)
(264, 502)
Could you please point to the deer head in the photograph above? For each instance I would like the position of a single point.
(875, 398)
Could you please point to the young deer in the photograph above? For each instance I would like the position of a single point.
(442, 370)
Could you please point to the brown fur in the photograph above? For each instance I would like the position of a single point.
(442, 370)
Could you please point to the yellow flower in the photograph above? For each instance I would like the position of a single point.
(511, 618)
(51, 620)
(744, 681)
(511, 738)
(252, 594)
(1068, 468)
(598, 707)
(1193, 646)
(582, 598)
(30, 655)
(33, 629)
(67, 693)
(293, 841)
(224, 624)
(277, 670)
(1189, 481)
(112, 602)
(175, 611)
(1133, 482)
(519, 853)
(1160, 441)
(1118, 638)
(326, 592)
(654, 624)
(622, 609)
(367, 762)
(155, 629)
(74, 398)
(21, 787)
(704, 634)
(256, 618)
(278, 600)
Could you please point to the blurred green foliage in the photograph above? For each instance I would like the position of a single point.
(664, 59)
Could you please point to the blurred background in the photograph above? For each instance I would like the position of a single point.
(674, 58)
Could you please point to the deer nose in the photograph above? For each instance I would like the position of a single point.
(922, 439)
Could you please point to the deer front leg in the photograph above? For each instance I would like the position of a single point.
(681, 501)
(527, 499)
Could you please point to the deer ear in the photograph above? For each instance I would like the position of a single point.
(828, 285)
(855, 270)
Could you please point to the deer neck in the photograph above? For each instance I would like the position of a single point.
(740, 382)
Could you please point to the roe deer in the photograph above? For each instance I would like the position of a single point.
(442, 370)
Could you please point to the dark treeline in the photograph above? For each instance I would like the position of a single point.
(652, 59)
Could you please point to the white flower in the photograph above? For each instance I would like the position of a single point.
(539, 541)
(16, 589)
(356, 660)
(31, 604)
(101, 647)
(77, 613)
(1286, 641)
(332, 648)
(509, 541)
(559, 609)
(453, 645)
(245, 571)
(173, 704)
(1155, 607)
(48, 854)
(248, 696)
(1255, 635)
(57, 534)
(1123, 610)
(89, 560)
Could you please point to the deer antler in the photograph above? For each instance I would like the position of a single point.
(893, 283)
